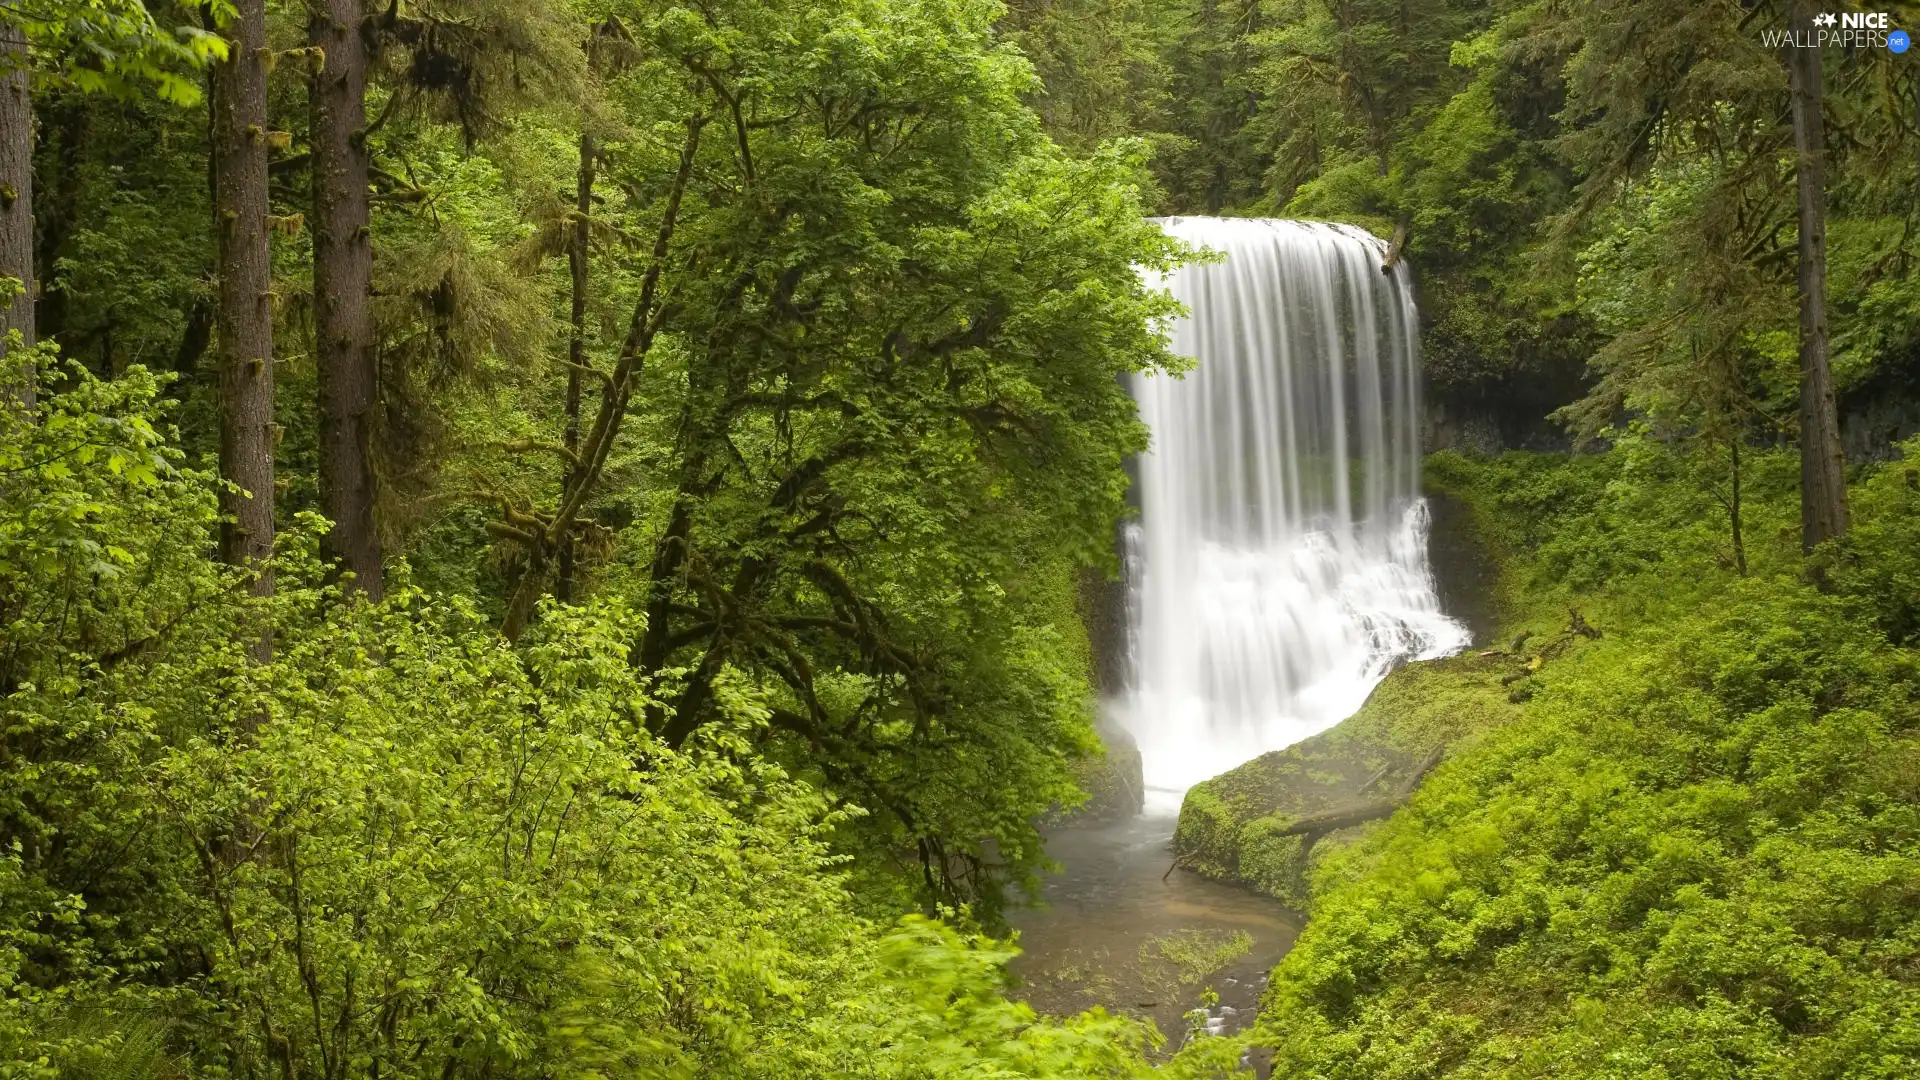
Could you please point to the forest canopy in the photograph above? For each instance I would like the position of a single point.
(555, 538)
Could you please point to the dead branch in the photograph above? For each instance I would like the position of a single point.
(1314, 826)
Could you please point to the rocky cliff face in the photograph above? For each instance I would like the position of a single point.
(1115, 790)
(1113, 782)
(1509, 413)
(1512, 413)
(1881, 412)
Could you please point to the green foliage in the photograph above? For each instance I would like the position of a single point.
(1215, 163)
(125, 218)
(818, 661)
(877, 428)
(1196, 955)
(103, 536)
(1596, 184)
(953, 1023)
(1688, 197)
(116, 47)
(1589, 530)
(1692, 856)
(1102, 66)
(1232, 826)
(891, 322)
(1436, 124)
(103, 542)
(670, 831)
(1687, 353)
(1879, 561)
(402, 846)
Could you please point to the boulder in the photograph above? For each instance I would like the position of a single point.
(1235, 827)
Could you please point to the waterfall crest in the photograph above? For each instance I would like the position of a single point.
(1278, 570)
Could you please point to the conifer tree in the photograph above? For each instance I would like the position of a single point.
(342, 287)
(1823, 484)
(16, 191)
(248, 432)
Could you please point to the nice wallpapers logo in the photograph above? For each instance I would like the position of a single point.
(1847, 30)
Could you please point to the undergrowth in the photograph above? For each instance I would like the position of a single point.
(1697, 853)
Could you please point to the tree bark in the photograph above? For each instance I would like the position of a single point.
(616, 391)
(1823, 488)
(16, 194)
(342, 290)
(1733, 512)
(577, 252)
(245, 314)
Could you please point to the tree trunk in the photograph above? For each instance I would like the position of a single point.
(1341, 817)
(1823, 488)
(1314, 826)
(577, 251)
(1733, 513)
(16, 195)
(616, 392)
(342, 290)
(245, 316)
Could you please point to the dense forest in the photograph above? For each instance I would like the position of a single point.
(556, 538)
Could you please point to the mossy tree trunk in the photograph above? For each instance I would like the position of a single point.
(1823, 487)
(16, 192)
(342, 289)
(245, 313)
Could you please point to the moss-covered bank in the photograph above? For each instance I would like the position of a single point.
(1691, 850)
(1230, 826)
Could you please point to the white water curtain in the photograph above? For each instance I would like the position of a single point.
(1279, 567)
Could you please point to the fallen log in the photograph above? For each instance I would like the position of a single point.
(1378, 775)
(1314, 826)
(1334, 820)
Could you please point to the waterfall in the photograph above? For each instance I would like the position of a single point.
(1278, 570)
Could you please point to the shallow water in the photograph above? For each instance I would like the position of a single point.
(1110, 923)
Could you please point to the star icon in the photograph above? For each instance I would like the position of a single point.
(1826, 19)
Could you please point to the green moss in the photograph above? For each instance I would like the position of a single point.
(1206, 838)
(1111, 778)
(1692, 852)
(1271, 863)
(1229, 826)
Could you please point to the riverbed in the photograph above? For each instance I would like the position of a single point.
(1117, 930)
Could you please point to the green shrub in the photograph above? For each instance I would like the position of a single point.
(1696, 854)
(400, 846)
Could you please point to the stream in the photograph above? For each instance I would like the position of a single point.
(1111, 932)
(1277, 571)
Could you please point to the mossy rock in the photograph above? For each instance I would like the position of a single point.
(1230, 825)
(1115, 786)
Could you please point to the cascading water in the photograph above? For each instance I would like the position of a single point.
(1279, 567)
